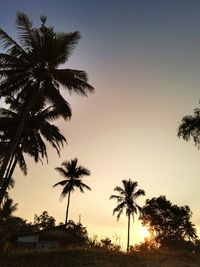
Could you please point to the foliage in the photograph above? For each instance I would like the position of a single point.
(38, 128)
(190, 128)
(170, 225)
(147, 245)
(126, 200)
(77, 257)
(73, 179)
(10, 227)
(32, 63)
(7, 208)
(107, 244)
(30, 69)
(78, 234)
(43, 221)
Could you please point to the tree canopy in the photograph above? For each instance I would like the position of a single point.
(44, 221)
(189, 127)
(169, 224)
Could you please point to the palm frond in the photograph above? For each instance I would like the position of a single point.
(73, 80)
(62, 183)
(56, 99)
(61, 171)
(25, 29)
(11, 46)
(127, 197)
(73, 175)
(118, 198)
(139, 193)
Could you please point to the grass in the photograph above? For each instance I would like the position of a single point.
(95, 258)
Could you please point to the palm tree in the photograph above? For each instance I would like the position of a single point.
(38, 126)
(31, 67)
(127, 200)
(73, 179)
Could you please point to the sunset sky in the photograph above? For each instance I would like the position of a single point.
(143, 58)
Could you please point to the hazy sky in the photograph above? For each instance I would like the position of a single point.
(143, 58)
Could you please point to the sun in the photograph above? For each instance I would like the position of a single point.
(144, 232)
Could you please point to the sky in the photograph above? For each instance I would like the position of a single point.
(142, 57)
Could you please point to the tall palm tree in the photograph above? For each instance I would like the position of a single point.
(38, 127)
(127, 200)
(31, 67)
(73, 179)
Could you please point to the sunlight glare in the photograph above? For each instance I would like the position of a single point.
(144, 232)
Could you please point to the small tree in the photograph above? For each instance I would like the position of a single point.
(44, 221)
(190, 128)
(170, 224)
(78, 234)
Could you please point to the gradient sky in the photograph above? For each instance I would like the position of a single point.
(143, 58)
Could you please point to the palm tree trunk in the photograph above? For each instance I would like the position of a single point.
(10, 165)
(128, 233)
(17, 136)
(66, 219)
(7, 179)
(13, 146)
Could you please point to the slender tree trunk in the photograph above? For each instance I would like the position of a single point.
(9, 166)
(17, 137)
(7, 171)
(7, 180)
(13, 146)
(128, 233)
(66, 219)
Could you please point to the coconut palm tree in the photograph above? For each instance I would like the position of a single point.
(38, 127)
(127, 200)
(73, 179)
(31, 67)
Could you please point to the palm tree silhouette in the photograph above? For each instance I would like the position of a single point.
(31, 67)
(73, 179)
(38, 127)
(127, 200)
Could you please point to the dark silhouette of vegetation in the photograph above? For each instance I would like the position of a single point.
(9, 224)
(30, 69)
(107, 245)
(78, 235)
(43, 221)
(73, 180)
(8, 208)
(189, 128)
(38, 127)
(170, 225)
(148, 244)
(77, 257)
(127, 200)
